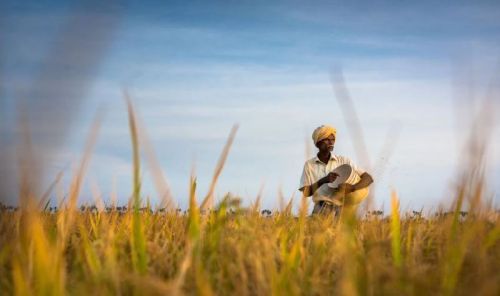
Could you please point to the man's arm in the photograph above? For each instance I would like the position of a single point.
(309, 190)
(365, 181)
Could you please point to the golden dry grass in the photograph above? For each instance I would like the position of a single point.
(240, 252)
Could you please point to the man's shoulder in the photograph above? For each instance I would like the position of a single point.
(346, 160)
(339, 158)
(342, 159)
(310, 162)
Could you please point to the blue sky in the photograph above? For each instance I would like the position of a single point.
(416, 73)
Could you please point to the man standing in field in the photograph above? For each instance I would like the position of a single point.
(318, 172)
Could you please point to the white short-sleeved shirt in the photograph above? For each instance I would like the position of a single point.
(315, 169)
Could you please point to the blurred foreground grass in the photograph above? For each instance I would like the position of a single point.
(231, 251)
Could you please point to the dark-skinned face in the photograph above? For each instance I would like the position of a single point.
(326, 145)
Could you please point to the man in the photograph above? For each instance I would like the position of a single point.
(318, 173)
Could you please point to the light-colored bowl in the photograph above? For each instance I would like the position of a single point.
(346, 175)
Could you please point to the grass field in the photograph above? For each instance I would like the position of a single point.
(245, 253)
(232, 250)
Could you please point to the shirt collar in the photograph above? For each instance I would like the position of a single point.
(332, 157)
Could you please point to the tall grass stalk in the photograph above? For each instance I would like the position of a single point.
(208, 201)
(139, 257)
(395, 231)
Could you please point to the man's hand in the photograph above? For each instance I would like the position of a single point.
(346, 188)
(329, 178)
(309, 190)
